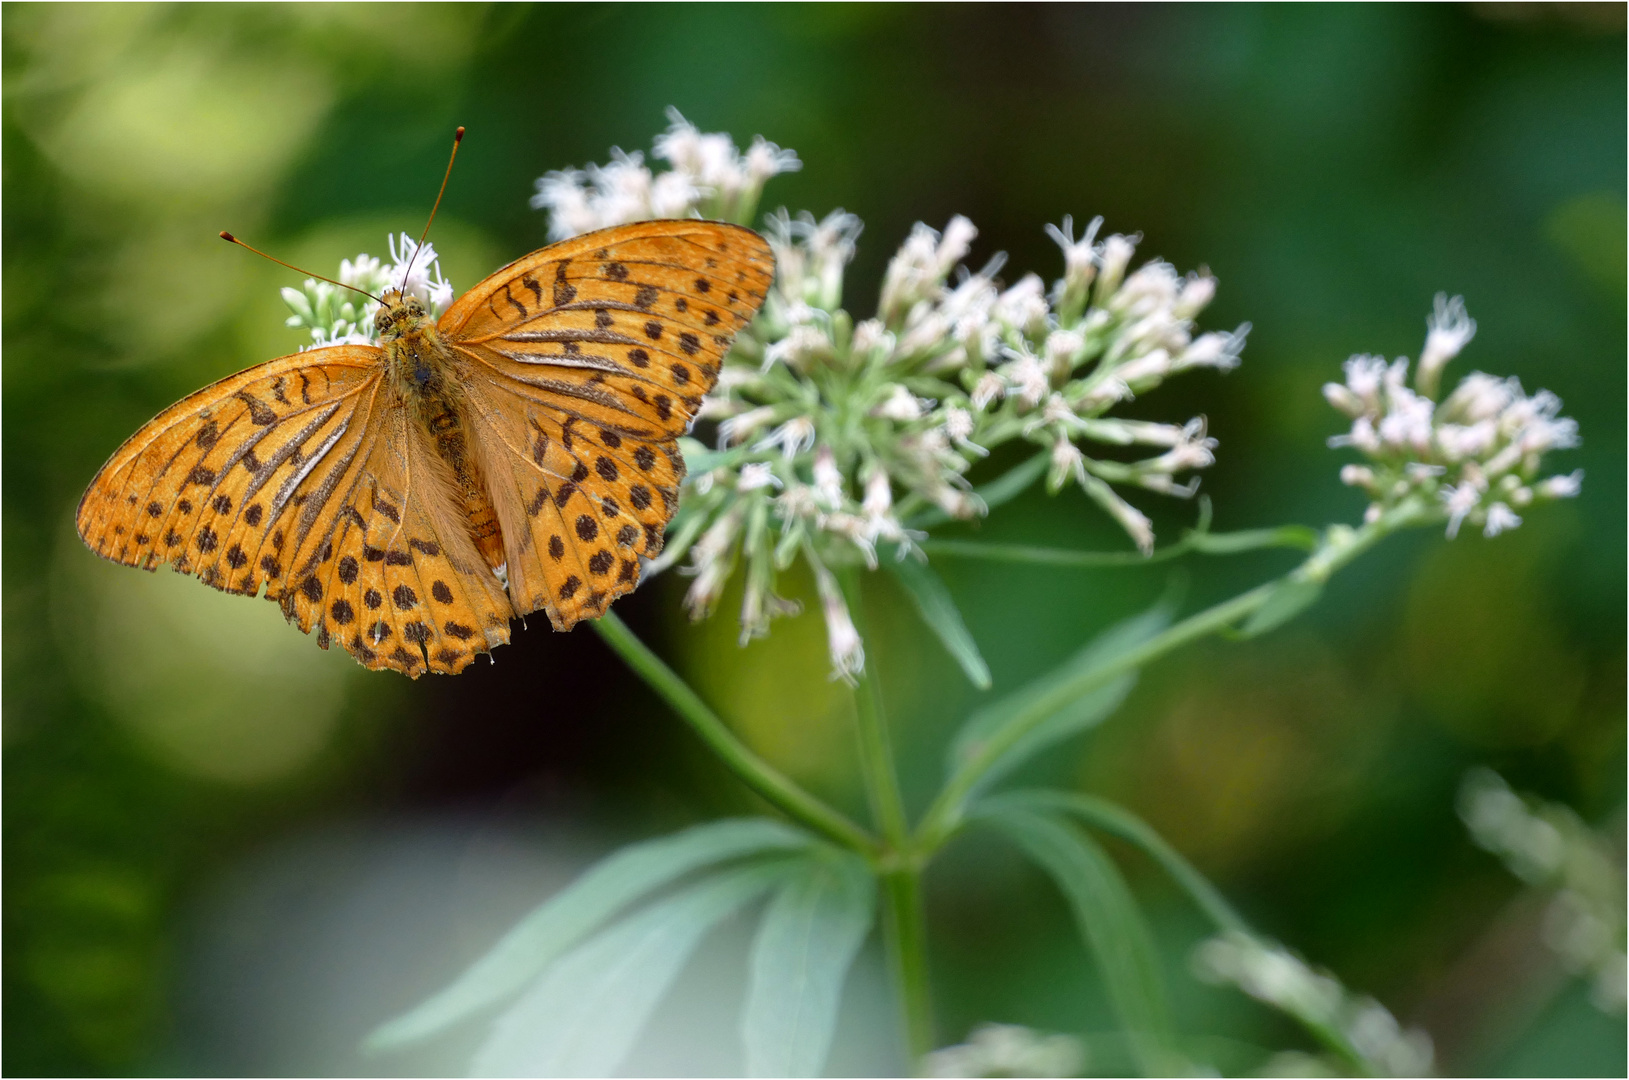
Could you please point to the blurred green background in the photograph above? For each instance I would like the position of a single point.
(228, 852)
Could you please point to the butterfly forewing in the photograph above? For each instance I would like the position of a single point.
(590, 357)
(283, 476)
(211, 483)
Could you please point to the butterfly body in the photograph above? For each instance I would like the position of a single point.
(407, 500)
(428, 377)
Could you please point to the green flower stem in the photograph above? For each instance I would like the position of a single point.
(753, 770)
(905, 937)
(904, 932)
(876, 751)
(1340, 546)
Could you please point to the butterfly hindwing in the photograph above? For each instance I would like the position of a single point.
(578, 504)
(397, 581)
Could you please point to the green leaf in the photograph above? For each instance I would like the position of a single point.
(699, 459)
(582, 1016)
(1109, 923)
(1115, 819)
(1287, 600)
(1291, 536)
(1072, 713)
(1014, 482)
(938, 610)
(805, 945)
(1004, 488)
(578, 910)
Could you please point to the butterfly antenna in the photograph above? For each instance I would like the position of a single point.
(458, 137)
(229, 238)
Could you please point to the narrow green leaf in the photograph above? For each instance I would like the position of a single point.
(1119, 821)
(579, 909)
(1037, 556)
(809, 937)
(1292, 536)
(1287, 600)
(1073, 714)
(1004, 488)
(938, 610)
(1014, 482)
(582, 1016)
(1110, 924)
(699, 459)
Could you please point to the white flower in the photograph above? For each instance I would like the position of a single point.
(917, 272)
(1068, 463)
(900, 405)
(1079, 256)
(1214, 350)
(711, 563)
(1562, 487)
(842, 639)
(1448, 330)
(1062, 349)
(1027, 376)
(764, 159)
(737, 429)
(673, 195)
(804, 344)
(878, 495)
(1500, 519)
(1022, 307)
(1112, 262)
(1146, 371)
(757, 475)
(794, 437)
(871, 336)
(1197, 291)
(989, 388)
(1008, 1050)
(417, 272)
(1460, 501)
(828, 479)
(959, 428)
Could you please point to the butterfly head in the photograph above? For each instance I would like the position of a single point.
(399, 314)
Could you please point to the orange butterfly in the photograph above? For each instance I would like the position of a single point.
(409, 499)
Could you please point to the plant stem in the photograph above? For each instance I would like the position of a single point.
(753, 770)
(904, 933)
(876, 751)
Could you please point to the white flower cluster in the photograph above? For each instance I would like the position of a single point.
(1548, 847)
(709, 178)
(1008, 1050)
(1270, 973)
(338, 316)
(1476, 454)
(834, 437)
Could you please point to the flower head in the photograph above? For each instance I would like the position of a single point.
(336, 316)
(839, 437)
(710, 177)
(1475, 455)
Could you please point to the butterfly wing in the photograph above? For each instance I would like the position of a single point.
(585, 361)
(303, 475)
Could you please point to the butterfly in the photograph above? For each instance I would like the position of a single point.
(408, 499)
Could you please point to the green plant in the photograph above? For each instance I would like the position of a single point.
(842, 444)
